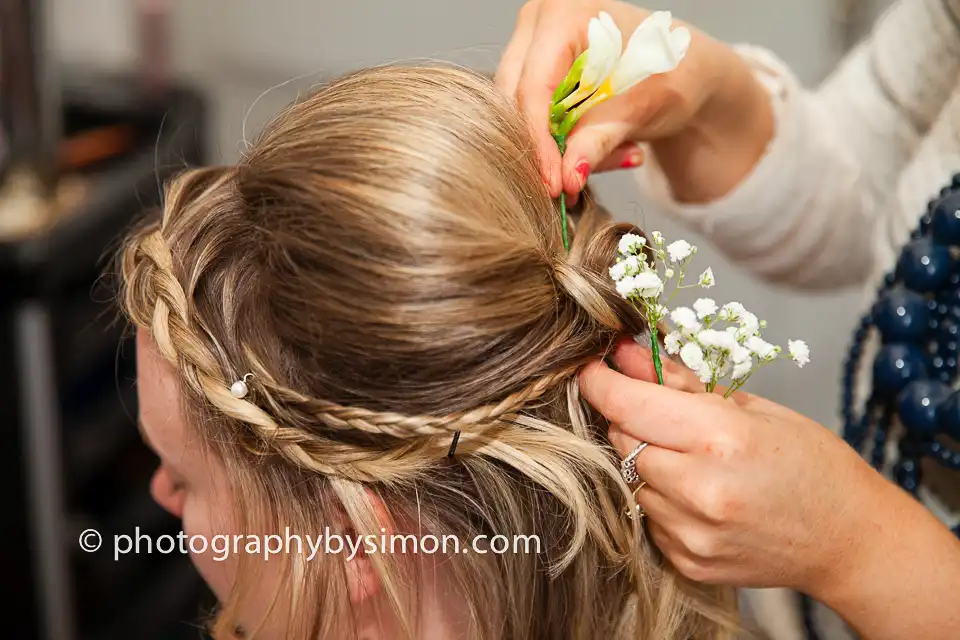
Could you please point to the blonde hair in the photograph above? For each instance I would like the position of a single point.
(386, 262)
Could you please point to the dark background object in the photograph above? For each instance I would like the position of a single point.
(72, 458)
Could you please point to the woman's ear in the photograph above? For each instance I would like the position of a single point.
(363, 579)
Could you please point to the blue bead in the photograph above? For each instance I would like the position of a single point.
(943, 367)
(948, 337)
(948, 303)
(917, 405)
(948, 416)
(925, 266)
(907, 475)
(896, 366)
(902, 316)
(946, 219)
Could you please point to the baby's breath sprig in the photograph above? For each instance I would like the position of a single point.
(715, 342)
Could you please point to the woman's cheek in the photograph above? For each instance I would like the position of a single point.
(211, 549)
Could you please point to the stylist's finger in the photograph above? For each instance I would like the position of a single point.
(636, 361)
(557, 41)
(659, 415)
(628, 155)
(594, 140)
(511, 64)
(664, 469)
(657, 506)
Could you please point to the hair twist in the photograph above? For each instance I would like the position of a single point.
(178, 343)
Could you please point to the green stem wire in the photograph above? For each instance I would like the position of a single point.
(655, 348)
(561, 140)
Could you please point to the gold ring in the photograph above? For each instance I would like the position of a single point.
(637, 508)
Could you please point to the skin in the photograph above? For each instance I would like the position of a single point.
(707, 122)
(192, 485)
(745, 492)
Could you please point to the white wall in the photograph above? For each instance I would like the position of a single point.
(237, 49)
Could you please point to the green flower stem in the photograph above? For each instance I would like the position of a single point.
(655, 348)
(570, 82)
(561, 140)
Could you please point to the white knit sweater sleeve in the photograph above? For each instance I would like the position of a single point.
(810, 212)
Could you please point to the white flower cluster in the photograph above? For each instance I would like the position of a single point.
(713, 341)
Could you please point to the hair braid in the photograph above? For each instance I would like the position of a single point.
(337, 416)
(177, 342)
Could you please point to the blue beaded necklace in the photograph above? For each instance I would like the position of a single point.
(917, 314)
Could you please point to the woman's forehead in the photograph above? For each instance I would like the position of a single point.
(160, 413)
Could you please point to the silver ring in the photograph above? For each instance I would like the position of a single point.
(628, 469)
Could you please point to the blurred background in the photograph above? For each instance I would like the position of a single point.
(100, 101)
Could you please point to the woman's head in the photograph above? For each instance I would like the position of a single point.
(388, 266)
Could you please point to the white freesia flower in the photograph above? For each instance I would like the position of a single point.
(799, 352)
(672, 342)
(631, 244)
(680, 251)
(605, 43)
(706, 279)
(692, 356)
(705, 307)
(763, 349)
(653, 48)
(713, 339)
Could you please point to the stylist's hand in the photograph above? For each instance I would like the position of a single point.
(740, 491)
(709, 119)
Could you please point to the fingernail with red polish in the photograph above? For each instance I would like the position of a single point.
(632, 160)
(583, 170)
